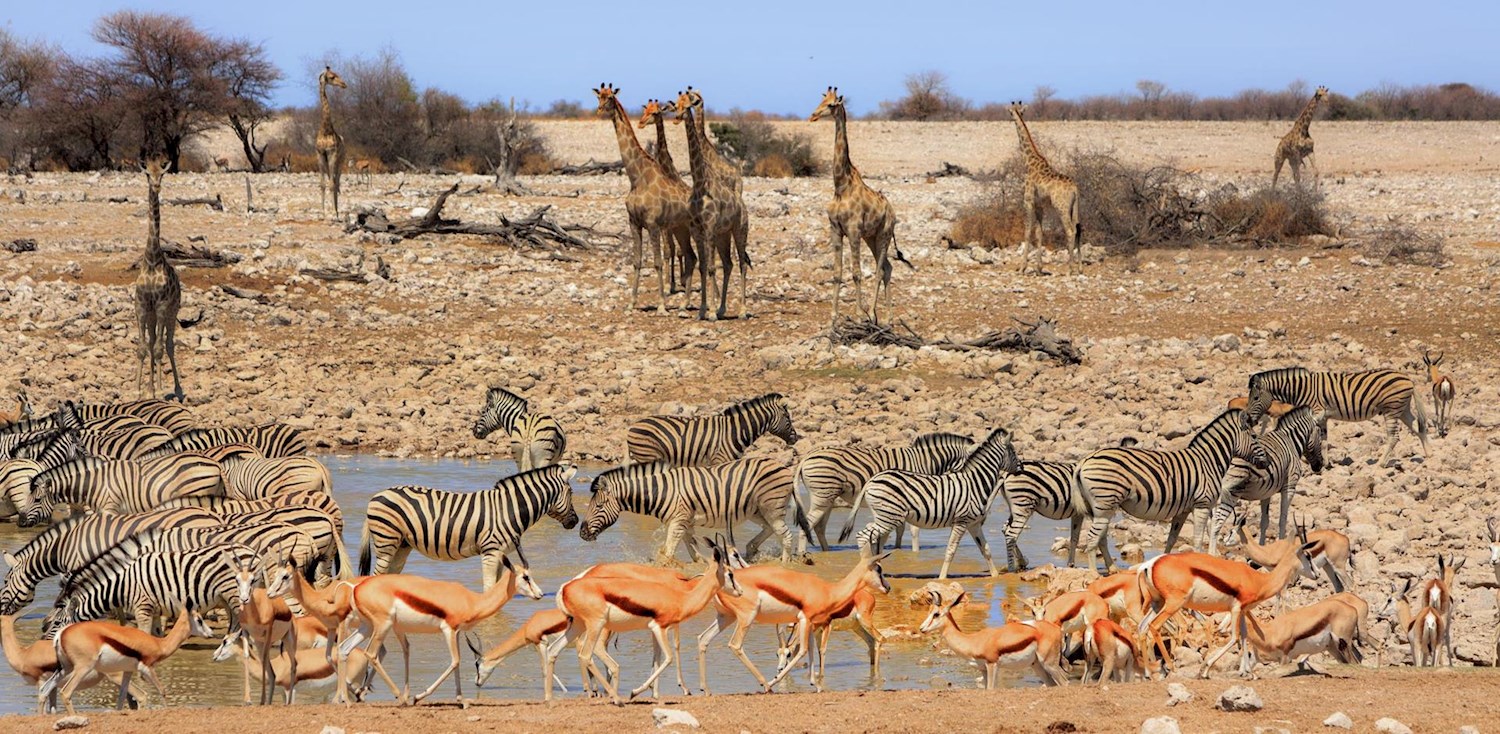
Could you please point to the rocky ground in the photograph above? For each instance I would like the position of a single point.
(399, 365)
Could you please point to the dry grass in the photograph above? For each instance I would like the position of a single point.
(1268, 216)
(1402, 243)
(994, 221)
(774, 165)
(758, 146)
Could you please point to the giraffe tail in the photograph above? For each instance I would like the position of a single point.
(898, 255)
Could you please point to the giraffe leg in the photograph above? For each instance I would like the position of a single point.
(726, 260)
(705, 262)
(661, 267)
(741, 242)
(857, 270)
(1280, 159)
(171, 326)
(335, 175)
(837, 241)
(142, 353)
(323, 163)
(635, 263)
(1296, 164)
(1028, 209)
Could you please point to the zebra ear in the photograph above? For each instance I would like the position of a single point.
(10, 560)
(570, 472)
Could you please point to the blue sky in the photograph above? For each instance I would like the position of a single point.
(778, 56)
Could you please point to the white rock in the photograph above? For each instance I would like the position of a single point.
(1468, 730)
(1178, 693)
(1339, 720)
(1160, 725)
(1240, 698)
(673, 717)
(331, 729)
(1388, 725)
(70, 722)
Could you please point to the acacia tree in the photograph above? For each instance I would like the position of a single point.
(25, 70)
(249, 78)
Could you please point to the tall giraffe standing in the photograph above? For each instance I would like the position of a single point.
(679, 242)
(330, 144)
(718, 208)
(158, 292)
(1297, 144)
(857, 214)
(650, 204)
(1044, 188)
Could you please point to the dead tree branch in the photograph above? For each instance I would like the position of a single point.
(592, 168)
(535, 230)
(216, 203)
(194, 256)
(1038, 335)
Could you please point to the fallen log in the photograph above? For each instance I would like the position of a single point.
(194, 256)
(1038, 335)
(216, 203)
(592, 168)
(950, 169)
(535, 230)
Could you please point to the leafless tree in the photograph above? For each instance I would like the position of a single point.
(249, 78)
(928, 97)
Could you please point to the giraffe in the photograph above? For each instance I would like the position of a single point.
(718, 208)
(857, 214)
(678, 243)
(330, 143)
(1044, 188)
(650, 205)
(158, 292)
(1297, 144)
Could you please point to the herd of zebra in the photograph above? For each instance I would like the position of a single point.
(165, 517)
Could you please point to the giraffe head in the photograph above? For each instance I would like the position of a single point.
(1017, 109)
(608, 95)
(831, 99)
(651, 113)
(329, 76)
(688, 100)
(1320, 94)
(156, 167)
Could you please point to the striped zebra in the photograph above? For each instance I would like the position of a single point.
(1297, 437)
(167, 414)
(1345, 396)
(300, 499)
(71, 543)
(16, 476)
(148, 585)
(959, 499)
(536, 440)
(832, 476)
(720, 496)
(502, 408)
(314, 513)
(273, 440)
(1161, 485)
(106, 485)
(1045, 488)
(451, 526)
(63, 446)
(256, 478)
(274, 542)
(709, 440)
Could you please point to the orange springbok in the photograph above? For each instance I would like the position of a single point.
(329, 606)
(1329, 626)
(541, 630)
(862, 612)
(1204, 583)
(1105, 641)
(1438, 595)
(1442, 391)
(407, 605)
(1330, 553)
(1033, 643)
(1423, 629)
(617, 604)
(90, 649)
(308, 667)
(1276, 410)
(1123, 596)
(1073, 611)
(776, 595)
(266, 619)
(35, 663)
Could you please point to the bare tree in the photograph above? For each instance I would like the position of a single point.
(25, 70)
(928, 97)
(80, 114)
(249, 78)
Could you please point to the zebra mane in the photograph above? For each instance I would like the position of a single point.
(753, 403)
(519, 474)
(1295, 421)
(999, 434)
(940, 440)
(111, 562)
(632, 471)
(1279, 372)
(500, 394)
(82, 461)
(1219, 425)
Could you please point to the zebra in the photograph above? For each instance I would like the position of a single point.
(147, 585)
(709, 440)
(537, 440)
(71, 543)
(1297, 437)
(720, 496)
(314, 513)
(1345, 396)
(105, 485)
(299, 499)
(502, 408)
(450, 526)
(1045, 488)
(1161, 485)
(272, 440)
(274, 541)
(16, 476)
(167, 414)
(832, 476)
(959, 499)
(258, 478)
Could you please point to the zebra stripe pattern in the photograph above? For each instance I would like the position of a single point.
(105, 485)
(710, 440)
(832, 476)
(1345, 396)
(537, 440)
(146, 585)
(501, 410)
(314, 513)
(16, 476)
(275, 542)
(273, 440)
(720, 496)
(258, 478)
(75, 541)
(1298, 436)
(167, 414)
(1044, 488)
(450, 526)
(959, 500)
(1161, 485)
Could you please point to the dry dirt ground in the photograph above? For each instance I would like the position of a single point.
(1440, 701)
(399, 366)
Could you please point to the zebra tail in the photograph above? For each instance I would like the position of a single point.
(799, 516)
(1421, 411)
(848, 529)
(365, 551)
(1080, 500)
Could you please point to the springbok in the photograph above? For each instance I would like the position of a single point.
(1437, 594)
(306, 667)
(1442, 391)
(88, 649)
(1492, 527)
(600, 605)
(1330, 553)
(1073, 611)
(35, 663)
(1119, 658)
(540, 631)
(861, 612)
(1034, 643)
(1331, 626)
(1276, 410)
(330, 606)
(406, 605)
(1204, 583)
(1423, 629)
(266, 619)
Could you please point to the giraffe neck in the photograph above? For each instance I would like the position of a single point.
(1305, 118)
(153, 225)
(663, 154)
(631, 151)
(1035, 162)
(325, 125)
(843, 168)
(697, 152)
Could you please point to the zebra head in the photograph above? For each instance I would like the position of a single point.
(603, 511)
(995, 454)
(1260, 398)
(1243, 443)
(561, 508)
(66, 611)
(501, 409)
(1307, 429)
(780, 424)
(66, 418)
(43, 499)
(14, 596)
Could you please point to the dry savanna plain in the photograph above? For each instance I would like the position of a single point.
(397, 364)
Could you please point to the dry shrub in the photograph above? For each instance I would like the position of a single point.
(995, 221)
(751, 140)
(299, 162)
(774, 165)
(193, 160)
(1401, 243)
(1268, 216)
(537, 163)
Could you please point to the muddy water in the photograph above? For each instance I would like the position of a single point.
(192, 678)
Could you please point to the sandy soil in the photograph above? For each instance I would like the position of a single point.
(1439, 701)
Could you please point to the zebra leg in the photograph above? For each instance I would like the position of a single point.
(900, 538)
(1019, 517)
(489, 568)
(1392, 432)
(675, 530)
(1174, 531)
(977, 531)
(916, 542)
(765, 532)
(953, 539)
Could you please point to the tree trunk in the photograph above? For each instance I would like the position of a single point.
(245, 131)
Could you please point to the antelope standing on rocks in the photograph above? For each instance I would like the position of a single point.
(1442, 392)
